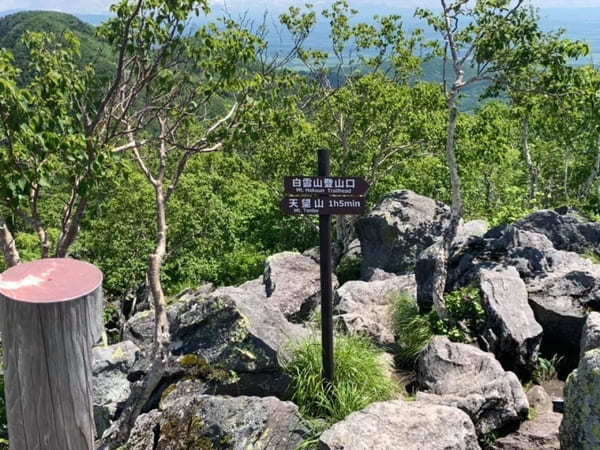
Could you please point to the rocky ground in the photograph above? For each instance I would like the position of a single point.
(225, 386)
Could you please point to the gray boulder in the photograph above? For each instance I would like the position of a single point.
(187, 418)
(580, 428)
(541, 433)
(292, 283)
(399, 424)
(539, 400)
(561, 285)
(366, 307)
(566, 229)
(111, 388)
(233, 339)
(401, 226)
(474, 228)
(465, 377)
(590, 336)
(511, 333)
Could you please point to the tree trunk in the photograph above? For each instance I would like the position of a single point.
(142, 391)
(441, 258)
(527, 155)
(47, 357)
(7, 242)
(593, 175)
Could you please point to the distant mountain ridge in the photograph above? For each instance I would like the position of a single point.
(14, 26)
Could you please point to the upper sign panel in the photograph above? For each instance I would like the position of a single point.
(352, 186)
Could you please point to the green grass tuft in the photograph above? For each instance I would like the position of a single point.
(413, 330)
(466, 319)
(359, 379)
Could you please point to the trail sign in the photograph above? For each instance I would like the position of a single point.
(325, 196)
(352, 186)
(323, 205)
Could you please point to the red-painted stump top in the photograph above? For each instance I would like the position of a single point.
(50, 280)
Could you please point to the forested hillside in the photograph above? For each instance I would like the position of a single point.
(14, 26)
(159, 157)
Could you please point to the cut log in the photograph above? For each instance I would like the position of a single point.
(51, 312)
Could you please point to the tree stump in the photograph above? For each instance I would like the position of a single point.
(50, 316)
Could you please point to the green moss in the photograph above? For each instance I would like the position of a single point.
(189, 361)
(170, 388)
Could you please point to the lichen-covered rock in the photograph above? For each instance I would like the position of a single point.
(366, 307)
(233, 339)
(465, 377)
(110, 366)
(401, 226)
(399, 424)
(580, 428)
(292, 283)
(561, 285)
(590, 336)
(188, 419)
(511, 333)
(566, 230)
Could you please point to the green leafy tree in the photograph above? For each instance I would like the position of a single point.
(496, 38)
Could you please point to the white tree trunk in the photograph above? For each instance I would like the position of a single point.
(441, 258)
(528, 160)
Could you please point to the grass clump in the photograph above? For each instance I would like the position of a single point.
(546, 369)
(465, 320)
(413, 331)
(359, 378)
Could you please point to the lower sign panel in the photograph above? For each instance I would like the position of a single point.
(323, 205)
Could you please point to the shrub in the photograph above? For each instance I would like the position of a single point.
(413, 330)
(359, 378)
(466, 318)
(348, 270)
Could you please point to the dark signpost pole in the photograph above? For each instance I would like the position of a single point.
(326, 287)
(325, 196)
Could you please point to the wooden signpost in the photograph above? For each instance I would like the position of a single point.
(326, 196)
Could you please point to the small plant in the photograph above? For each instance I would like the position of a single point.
(546, 369)
(489, 438)
(413, 331)
(466, 317)
(359, 378)
(532, 414)
(591, 256)
(348, 270)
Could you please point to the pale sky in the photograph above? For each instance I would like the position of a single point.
(101, 6)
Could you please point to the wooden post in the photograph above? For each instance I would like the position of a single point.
(326, 285)
(50, 316)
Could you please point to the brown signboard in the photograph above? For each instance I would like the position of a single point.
(299, 185)
(323, 205)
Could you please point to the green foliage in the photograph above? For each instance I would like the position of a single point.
(546, 369)
(590, 255)
(532, 413)
(360, 378)
(466, 317)
(348, 269)
(14, 27)
(413, 331)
